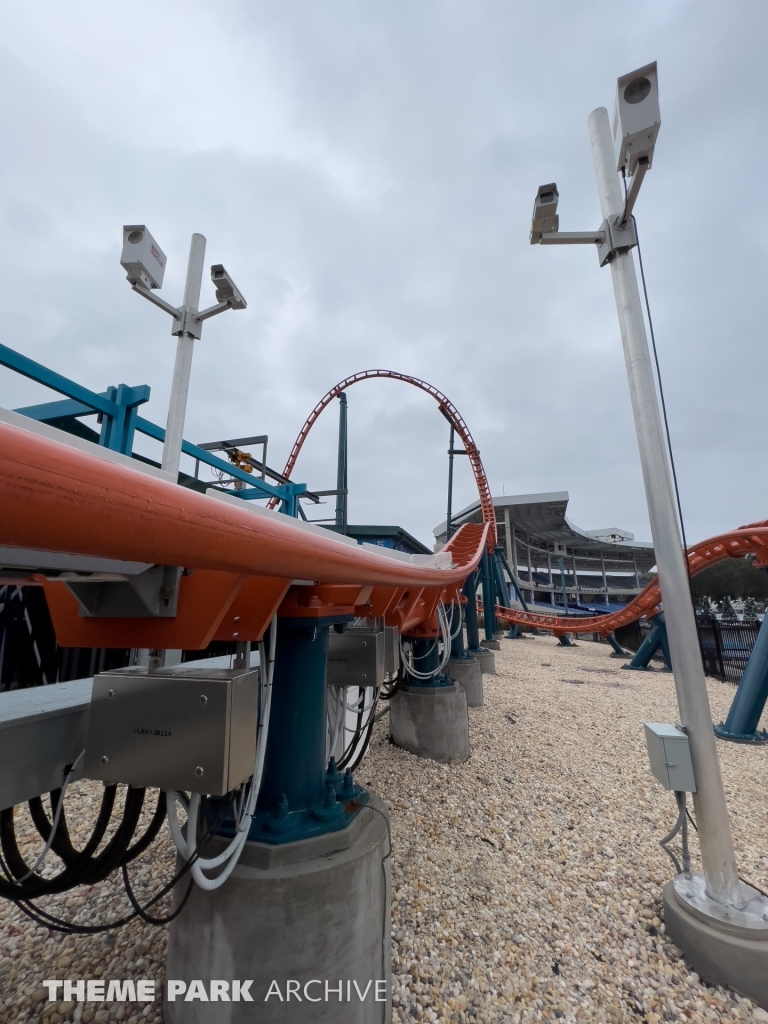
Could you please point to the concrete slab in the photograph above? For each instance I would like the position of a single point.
(431, 721)
(319, 922)
(468, 673)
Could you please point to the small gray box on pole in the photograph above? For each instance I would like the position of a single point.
(142, 257)
(670, 757)
(636, 118)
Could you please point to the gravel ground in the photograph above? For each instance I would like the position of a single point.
(526, 882)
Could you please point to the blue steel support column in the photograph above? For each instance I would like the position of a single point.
(426, 658)
(458, 650)
(449, 513)
(299, 798)
(470, 612)
(749, 702)
(489, 590)
(656, 639)
(341, 466)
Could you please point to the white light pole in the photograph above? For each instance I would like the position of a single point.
(177, 407)
(717, 853)
(719, 921)
(144, 261)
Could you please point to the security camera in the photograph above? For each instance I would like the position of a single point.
(544, 212)
(142, 257)
(636, 119)
(226, 289)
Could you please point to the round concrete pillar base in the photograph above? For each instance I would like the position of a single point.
(431, 721)
(311, 913)
(492, 645)
(487, 660)
(468, 673)
(724, 946)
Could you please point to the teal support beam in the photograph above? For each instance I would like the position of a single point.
(470, 613)
(749, 703)
(655, 641)
(489, 591)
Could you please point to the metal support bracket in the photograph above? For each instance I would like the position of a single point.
(153, 593)
(610, 238)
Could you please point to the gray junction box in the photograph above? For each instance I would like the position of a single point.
(175, 728)
(356, 657)
(670, 757)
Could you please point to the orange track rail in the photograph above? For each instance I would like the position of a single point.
(82, 504)
(751, 539)
(486, 501)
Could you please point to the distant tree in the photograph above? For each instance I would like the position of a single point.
(707, 608)
(726, 608)
(750, 610)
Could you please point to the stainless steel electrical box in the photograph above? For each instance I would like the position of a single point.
(356, 657)
(391, 652)
(174, 728)
(636, 117)
(670, 757)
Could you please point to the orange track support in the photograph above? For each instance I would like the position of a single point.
(486, 501)
(81, 504)
(752, 539)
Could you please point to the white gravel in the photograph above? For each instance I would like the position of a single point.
(526, 882)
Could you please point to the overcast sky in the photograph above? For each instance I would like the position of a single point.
(366, 172)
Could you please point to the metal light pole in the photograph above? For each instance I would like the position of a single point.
(177, 407)
(449, 513)
(144, 261)
(717, 853)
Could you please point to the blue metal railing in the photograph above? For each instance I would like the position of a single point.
(117, 408)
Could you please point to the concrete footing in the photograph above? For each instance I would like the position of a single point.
(468, 673)
(431, 721)
(486, 659)
(315, 913)
(492, 645)
(723, 945)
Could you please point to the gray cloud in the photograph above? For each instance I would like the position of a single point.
(367, 172)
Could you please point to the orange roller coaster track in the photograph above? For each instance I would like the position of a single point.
(450, 410)
(751, 539)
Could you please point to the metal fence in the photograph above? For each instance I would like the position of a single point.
(726, 647)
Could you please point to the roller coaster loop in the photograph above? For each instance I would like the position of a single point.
(449, 409)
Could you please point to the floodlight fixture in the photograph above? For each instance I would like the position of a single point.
(142, 257)
(226, 289)
(144, 261)
(636, 119)
(544, 212)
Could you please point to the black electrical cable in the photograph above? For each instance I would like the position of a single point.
(46, 920)
(661, 387)
(83, 869)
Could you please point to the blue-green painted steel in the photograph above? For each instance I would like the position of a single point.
(617, 648)
(341, 466)
(118, 407)
(458, 650)
(470, 613)
(300, 795)
(489, 591)
(426, 658)
(744, 717)
(518, 591)
(656, 640)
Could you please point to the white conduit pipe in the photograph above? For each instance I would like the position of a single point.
(231, 854)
